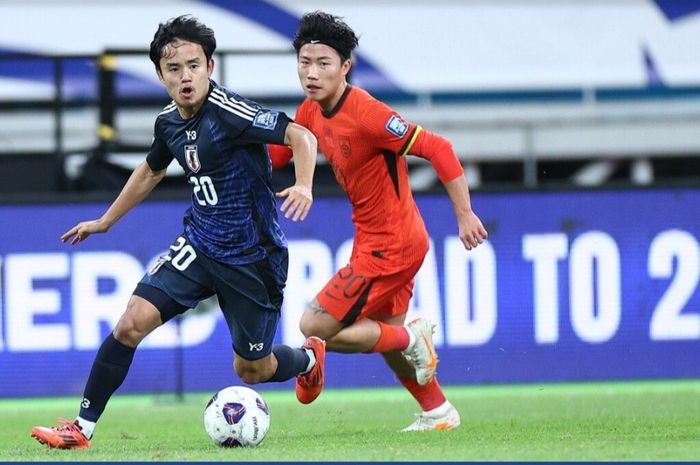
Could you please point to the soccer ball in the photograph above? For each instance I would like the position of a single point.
(236, 416)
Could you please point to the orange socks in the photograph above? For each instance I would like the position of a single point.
(429, 396)
(391, 338)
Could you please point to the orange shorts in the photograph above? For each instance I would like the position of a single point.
(358, 291)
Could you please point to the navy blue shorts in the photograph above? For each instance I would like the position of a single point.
(250, 295)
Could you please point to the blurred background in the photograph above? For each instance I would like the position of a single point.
(531, 93)
(577, 123)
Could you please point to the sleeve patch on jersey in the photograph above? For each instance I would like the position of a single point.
(396, 126)
(266, 119)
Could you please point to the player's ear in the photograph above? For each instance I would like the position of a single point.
(160, 74)
(345, 69)
(210, 66)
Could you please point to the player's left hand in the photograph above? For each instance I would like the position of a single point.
(83, 230)
(297, 202)
(471, 231)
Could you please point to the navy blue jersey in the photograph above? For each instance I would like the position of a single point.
(233, 217)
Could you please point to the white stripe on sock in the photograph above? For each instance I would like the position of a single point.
(312, 360)
(87, 427)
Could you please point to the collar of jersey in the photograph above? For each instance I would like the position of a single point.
(336, 108)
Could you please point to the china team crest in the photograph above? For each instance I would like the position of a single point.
(345, 148)
(192, 158)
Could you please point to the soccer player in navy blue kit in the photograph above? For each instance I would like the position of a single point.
(232, 245)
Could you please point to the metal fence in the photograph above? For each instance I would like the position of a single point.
(522, 139)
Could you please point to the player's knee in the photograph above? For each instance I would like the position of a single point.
(253, 371)
(251, 377)
(312, 327)
(250, 374)
(130, 330)
(317, 324)
(126, 333)
(306, 328)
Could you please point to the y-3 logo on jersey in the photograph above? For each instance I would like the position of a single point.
(256, 346)
(192, 158)
(191, 135)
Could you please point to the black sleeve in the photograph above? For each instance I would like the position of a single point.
(268, 127)
(159, 157)
(251, 123)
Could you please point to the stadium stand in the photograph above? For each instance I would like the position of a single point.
(515, 139)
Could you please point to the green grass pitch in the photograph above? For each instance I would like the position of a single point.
(640, 421)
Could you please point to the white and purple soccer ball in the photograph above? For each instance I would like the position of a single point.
(237, 416)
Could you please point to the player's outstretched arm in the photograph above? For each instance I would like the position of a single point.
(440, 153)
(298, 198)
(140, 184)
(471, 231)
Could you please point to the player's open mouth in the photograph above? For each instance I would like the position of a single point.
(312, 88)
(187, 92)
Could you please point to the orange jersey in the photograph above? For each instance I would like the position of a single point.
(365, 141)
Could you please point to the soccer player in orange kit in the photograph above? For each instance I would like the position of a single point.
(363, 307)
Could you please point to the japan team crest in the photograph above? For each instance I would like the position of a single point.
(192, 158)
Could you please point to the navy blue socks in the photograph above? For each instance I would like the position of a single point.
(108, 373)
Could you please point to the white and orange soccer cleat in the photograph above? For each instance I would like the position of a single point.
(66, 436)
(309, 385)
(443, 418)
(421, 354)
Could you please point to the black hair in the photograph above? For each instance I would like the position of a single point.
(324, 28)
(183, 27)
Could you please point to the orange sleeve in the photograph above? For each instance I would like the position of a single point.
(280, 155)
(390, 132)
(387, 130)
(438, 151)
